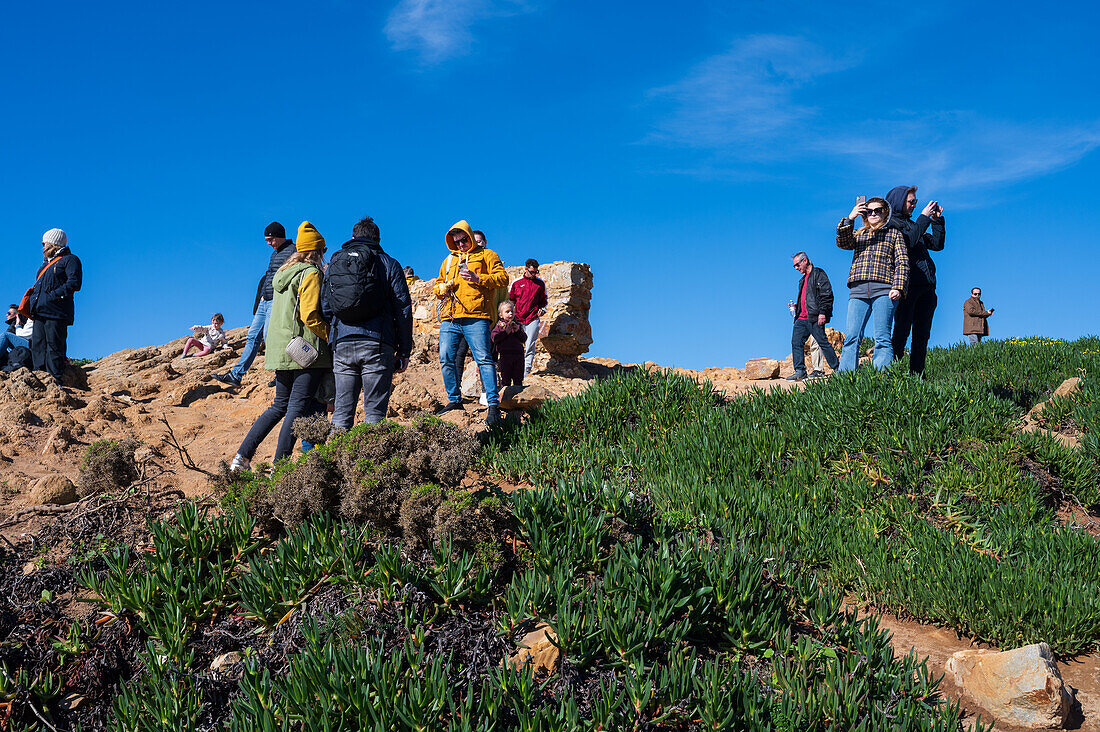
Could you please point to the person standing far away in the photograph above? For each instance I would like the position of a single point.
(366, 301)
(275, 236)
(813, 309)
(410, 276)
(529, 295)
(467, 280)
(50, 304)
(295, 313)
(976, 317)
(915, 310)
(876, 281)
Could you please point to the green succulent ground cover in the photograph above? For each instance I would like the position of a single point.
(916, 496)
(691, 552)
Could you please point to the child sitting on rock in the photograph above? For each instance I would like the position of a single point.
(207, 337)
(510, 341)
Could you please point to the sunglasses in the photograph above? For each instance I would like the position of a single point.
(876, 211)
(460, 239)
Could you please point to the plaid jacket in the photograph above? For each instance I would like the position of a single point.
(880, 256)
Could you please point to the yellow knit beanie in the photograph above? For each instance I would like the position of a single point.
(309, 239)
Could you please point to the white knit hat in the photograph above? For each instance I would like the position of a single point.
(55, 236)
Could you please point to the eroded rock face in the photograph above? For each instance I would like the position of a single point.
(565, 333)
(1021, 687)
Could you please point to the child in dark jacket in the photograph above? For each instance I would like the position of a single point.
(511, 342)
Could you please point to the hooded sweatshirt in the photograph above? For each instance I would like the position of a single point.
(296, 311)
(462, 299)
(922, 270)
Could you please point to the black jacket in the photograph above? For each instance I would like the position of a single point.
(819, 295)
(52, 294)
(922, 270)
(394, 325)
(280, 255)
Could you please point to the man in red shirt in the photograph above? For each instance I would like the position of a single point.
(529, 295)
(811, 312)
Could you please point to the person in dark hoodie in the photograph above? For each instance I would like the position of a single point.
(51, 304)
(366, 301)
(915, 310)
(275, 236)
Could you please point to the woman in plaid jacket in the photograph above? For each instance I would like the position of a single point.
(877, 280)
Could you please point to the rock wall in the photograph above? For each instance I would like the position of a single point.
(566, 332)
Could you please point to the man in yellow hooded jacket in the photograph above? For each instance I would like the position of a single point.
(467, 279)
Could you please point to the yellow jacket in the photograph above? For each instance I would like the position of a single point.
(462, 299)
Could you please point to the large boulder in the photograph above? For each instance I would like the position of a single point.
(565, 333)
(52, 490)
(1021, 687)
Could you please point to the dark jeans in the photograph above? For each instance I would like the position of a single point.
(48, 343)
(294, 391)
(510, 367)
(362, 365)
(914, 312)
(802, 329)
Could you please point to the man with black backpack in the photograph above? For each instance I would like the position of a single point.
(366, 300)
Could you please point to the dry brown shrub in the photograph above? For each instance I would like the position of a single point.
(107, 465)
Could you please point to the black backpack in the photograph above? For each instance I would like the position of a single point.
(18, 357)
(356, 283)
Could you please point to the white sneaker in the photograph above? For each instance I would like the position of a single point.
(239, 463)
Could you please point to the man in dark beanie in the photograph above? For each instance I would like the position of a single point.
(275, 236)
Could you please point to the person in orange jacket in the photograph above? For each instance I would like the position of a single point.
(467, 280)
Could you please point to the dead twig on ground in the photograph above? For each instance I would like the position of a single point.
(170, 440)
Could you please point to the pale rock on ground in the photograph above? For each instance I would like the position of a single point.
(1021, 686)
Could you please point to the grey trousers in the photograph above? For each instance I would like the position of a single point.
(975, 339)
(362, 365)
(532, 331)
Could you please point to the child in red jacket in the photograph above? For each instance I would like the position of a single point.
(511, 342)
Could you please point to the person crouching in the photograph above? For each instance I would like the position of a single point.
(510, 340)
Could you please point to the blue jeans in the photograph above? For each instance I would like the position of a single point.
(256, 334)
(880, 311)
(476, 333)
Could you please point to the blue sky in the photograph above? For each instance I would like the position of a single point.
(684, 151)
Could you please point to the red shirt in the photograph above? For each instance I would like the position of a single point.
(529, 296)
(802, 314)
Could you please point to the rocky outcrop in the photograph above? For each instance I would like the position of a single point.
(1021, 687)
(566, 332)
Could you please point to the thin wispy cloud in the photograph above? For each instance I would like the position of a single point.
(745, 95)
(748, 107)
(441, 29)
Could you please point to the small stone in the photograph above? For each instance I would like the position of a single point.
(1021, 687)
(761, 368)
(524, 397)
(72, 701)
(52, 490)
(225, 660)
(30, 567)
(537, 649)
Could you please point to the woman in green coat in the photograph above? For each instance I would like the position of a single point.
(295, 311)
